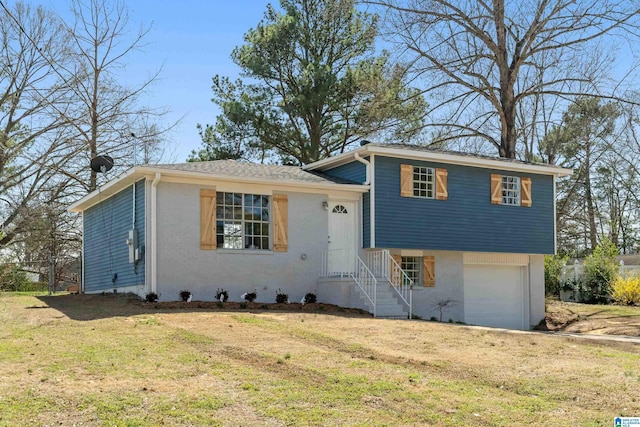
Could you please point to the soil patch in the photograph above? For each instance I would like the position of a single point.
(591, 319)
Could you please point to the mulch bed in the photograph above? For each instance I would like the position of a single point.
(252, 306)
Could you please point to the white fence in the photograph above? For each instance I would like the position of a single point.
(573, 272)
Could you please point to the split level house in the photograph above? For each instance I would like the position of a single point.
(393, 229)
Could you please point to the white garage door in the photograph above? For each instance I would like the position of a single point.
(494, 296)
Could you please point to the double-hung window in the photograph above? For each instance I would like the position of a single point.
(242, 221)
(411, 266)
(423, 182)
(510, 190)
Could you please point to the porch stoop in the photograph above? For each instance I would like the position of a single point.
(378, 285)
(388, 305)
(344, 292)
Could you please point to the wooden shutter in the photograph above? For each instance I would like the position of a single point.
(525, 192)
(394, 272)
(280, 223)
(441, 184)
(207, 219)
(496, 189)
(406, 181)
(429, 271)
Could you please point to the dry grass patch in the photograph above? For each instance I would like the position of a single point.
(77, 364)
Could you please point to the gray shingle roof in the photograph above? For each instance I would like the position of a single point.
(424, 148)
(240, 169)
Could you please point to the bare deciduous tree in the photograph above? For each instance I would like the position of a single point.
(484, 59)
(109, 115)
(34, 113)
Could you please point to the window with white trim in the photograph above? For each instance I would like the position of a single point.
(423, 182)
(242, 221)
(510, 190)
(411, 266)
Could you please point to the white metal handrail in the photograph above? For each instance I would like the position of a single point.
(347, 263)
(382, 264)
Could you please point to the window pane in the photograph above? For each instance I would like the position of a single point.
(256, 214)
(219, 197)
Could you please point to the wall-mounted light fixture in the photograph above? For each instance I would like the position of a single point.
(325, 205)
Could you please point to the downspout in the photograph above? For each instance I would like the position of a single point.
(365, 162)
(154, 235)
(133, 221)
(367, 165)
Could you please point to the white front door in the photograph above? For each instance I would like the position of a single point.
(342, 236)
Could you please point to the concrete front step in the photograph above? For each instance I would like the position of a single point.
(387, 306)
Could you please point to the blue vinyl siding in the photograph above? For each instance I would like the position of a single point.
(466, 221)
(106, 227)
(353, 171)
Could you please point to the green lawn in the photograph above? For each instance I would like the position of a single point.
(101, 360)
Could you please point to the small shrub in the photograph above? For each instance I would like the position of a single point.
(243, 305)
(600, 270)
(264, 307)
(281, 297)
(222, 295)
(626, 290)
(249, 296)
(553, 268)
(310, 298)
(444, 304)
(13, 279)
(219, 304)
(433, 318)
(185, 295)
(151, 297)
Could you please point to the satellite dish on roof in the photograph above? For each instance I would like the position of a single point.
(101, 163)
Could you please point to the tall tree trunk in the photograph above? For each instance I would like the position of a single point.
(507, 99)
(591, 212)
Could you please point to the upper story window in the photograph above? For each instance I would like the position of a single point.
(242, 221)
(511, 190)
(423, 182)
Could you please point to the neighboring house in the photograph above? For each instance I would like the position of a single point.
(388, 228)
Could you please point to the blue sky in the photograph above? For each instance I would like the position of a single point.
(192, 41)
